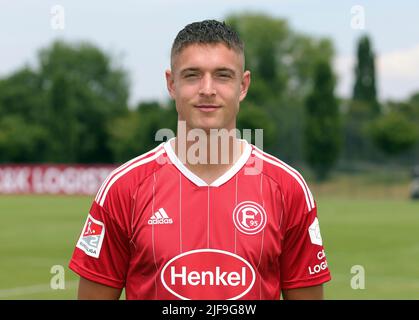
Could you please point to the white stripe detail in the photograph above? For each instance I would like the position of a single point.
(152, 233)
(126, 170)
(180, 211)
(263, 237)
(296, 176)
(235, 229)
(208, 219)
(261, 248)
(293, 170)
(122, 167)
(163, 213)
(282, 210)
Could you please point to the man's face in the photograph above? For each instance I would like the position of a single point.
(207, 83)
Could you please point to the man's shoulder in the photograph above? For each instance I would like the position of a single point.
(142, 165)
(126, 177)
(288, 179)
(275, 168)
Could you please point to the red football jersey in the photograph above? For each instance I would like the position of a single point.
(161, 232)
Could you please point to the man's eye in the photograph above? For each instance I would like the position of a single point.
(224, 75)
(191, 75)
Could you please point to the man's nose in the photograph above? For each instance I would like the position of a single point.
(207, 86)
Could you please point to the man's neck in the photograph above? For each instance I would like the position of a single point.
(208, 157)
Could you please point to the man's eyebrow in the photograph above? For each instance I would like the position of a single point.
(222, 69)
(189, 70)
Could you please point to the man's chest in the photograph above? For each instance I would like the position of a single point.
(172, 216)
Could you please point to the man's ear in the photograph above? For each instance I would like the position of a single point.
(244, 86)
(170, 83)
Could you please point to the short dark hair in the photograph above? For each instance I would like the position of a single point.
(207, 32)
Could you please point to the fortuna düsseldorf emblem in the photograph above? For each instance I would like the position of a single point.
(249, 217)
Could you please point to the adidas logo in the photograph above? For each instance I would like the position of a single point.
(160, 217)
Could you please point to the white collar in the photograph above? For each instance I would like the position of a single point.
(197, 180)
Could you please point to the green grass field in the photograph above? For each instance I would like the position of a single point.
(377, 232)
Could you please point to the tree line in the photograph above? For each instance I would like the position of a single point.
(73, 106)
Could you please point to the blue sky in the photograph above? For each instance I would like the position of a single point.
(140, 34)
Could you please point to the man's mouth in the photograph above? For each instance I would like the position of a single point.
(207, 107)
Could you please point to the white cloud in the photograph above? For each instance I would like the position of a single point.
(403, 63)
(397, 73)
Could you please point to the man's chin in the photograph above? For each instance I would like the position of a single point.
(208, 127)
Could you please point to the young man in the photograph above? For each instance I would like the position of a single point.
(168, 226)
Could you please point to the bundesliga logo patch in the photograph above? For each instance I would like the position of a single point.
(91, 238)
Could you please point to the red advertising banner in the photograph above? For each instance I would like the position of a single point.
(53, 179)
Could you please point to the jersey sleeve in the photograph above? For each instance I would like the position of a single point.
(303, 260)
(102, 250)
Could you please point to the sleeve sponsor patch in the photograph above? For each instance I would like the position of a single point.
(91, 238)
(314, 232)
